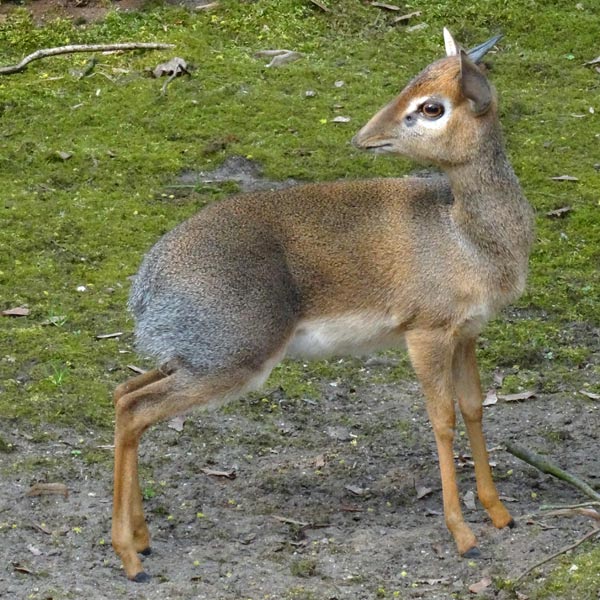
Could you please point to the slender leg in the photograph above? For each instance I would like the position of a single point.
(468, 390)
(135, 412)
(431, 355)
(137, 382)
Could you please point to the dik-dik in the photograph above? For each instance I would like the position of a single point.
(339, 268)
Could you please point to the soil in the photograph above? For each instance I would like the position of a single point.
(323, 505)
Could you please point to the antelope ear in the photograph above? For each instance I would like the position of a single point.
(452, 48)
(474, 85)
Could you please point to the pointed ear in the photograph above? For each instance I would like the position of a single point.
(452, 48)
(474, 85)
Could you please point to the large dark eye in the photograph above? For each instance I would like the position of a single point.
(432, 110)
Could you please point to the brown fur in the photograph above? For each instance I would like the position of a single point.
(349, 266)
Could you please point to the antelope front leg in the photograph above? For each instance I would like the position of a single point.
(431, 355)
(468, 390)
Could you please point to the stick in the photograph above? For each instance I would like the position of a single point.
(587, 536)
(547, 467)
(44, 52)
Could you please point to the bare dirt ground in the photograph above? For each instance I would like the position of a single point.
(324, 502)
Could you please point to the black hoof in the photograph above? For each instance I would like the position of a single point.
(512, 524)
(146, 551)
(141, 577)
(473, 552)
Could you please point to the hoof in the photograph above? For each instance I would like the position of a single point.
(512, 524)
(146, 551)
(141, 577)
(473, 552)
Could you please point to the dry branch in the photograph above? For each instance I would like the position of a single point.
(44, 52)
(580, 541)
(551, 469)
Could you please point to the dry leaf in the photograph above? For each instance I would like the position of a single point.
(44, 489)
(35, 551)
(226, 474)
(64, 155)
(469, 500)
(385, 6)
(287, 56)
(498, 377)
(320, 461)
(176, 423)
(208, 6)
(559, 212)
(590, 395)
(564, 178)
(321, 5)
(490, 398)
(521, 596)
(507, 498)
(107, 336)
(516, 397)
(595, 61)
(480, 586)
(19, 311)
(438, 550)
(135, 369)
(422, 491)
(173, 68)
(407, 17)
(418, 27)
(341, 119)
(22, 569)
(356, 490)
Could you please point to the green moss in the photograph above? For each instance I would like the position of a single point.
(74, 230)
(577, 578)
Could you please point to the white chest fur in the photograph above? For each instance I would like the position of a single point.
(355, 333)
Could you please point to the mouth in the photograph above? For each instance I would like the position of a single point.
(376, 146)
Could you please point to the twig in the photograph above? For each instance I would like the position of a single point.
(547, 467)
(566, 506)
(587, 536)
(44, 52)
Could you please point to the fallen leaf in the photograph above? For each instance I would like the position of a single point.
(417, 27)
(176, 423)
(339, 83)
(385, 6)
(288, 56)
(521, 596)
(46, 489)
(422, 491)
(226, 474)
(135, 369)
(516, 397)
(507, 498)
(480, 586)
(469, 500)
(19, 311)
(341, 119)
(107, 336)
(559, 212)
(438, 551)
(498, 377)
(207, 6)
(290, 521)
(356, 490)
(595, 61)
(590, 395)
(35, 551)
(173, 68)
(407, 17)
(64, 155)
(564, 178)
(321, 5)
(320, 461)
(22, 569)
(490, 398)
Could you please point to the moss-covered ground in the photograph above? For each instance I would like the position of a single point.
(89, 167)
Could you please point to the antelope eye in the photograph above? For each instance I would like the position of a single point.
(432, 110)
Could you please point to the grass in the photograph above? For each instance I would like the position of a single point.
(74, 229)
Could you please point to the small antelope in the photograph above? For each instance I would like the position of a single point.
(335, 268)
